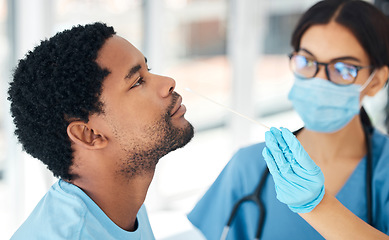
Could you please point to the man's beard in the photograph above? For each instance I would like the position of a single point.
(158, 140)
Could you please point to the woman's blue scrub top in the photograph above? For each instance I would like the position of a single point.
(241, 176)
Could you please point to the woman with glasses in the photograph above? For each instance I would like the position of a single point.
(341, 55)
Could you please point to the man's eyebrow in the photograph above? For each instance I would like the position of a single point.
(132, 71)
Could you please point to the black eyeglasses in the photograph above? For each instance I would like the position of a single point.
(337, 72)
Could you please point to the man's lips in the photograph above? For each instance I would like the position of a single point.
(178, 107)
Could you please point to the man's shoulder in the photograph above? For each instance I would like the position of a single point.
(58, 215)
(66, 212)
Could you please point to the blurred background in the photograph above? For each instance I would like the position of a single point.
(232, 51)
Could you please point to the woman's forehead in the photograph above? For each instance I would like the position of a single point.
(331, 41)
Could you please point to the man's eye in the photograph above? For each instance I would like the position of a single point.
(139, 82)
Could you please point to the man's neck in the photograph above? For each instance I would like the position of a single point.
(119, 199)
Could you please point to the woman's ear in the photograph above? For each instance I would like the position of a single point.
(80, 133)
(378, 82)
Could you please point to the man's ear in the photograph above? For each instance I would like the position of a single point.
(378, 82)
(80, 133)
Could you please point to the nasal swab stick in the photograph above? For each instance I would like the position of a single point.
(229, 109)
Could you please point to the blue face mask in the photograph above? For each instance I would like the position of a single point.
(325, 106)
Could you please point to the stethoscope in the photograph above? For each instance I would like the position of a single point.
(255, 196)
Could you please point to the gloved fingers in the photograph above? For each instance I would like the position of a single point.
(282, 144)
(280, 181)
(270, 162)
(299, 153)
(278, 136)
(278, 155)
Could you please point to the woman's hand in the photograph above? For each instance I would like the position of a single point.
(299, 182)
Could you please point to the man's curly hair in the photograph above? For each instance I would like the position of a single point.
(57, 81)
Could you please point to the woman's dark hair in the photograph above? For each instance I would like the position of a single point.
(57, 81)
(368, 24)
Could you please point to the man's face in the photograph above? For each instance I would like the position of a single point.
(143, 118)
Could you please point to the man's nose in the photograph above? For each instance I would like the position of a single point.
(166, 85)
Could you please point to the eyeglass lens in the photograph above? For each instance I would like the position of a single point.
(339, 72)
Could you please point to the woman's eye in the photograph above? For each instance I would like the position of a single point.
(138, 82)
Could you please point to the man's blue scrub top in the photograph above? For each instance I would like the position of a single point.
(241, 176)
(66, 212)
